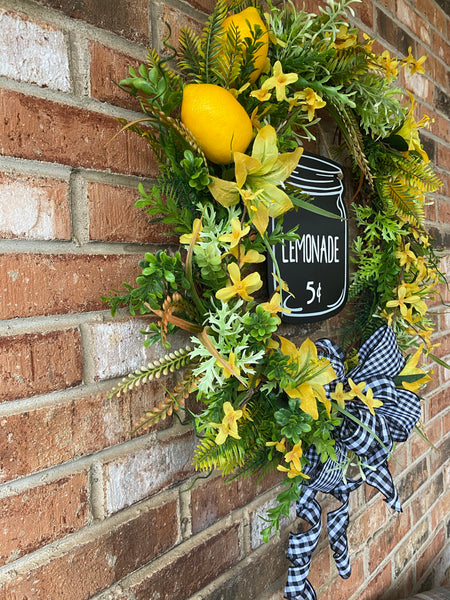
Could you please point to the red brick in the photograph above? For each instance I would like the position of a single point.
(320, 570)
(342, 589)
(410, 546)
(362, 529)
(215, 498)
(91, 567)
(108, 67)
(427, 556)
(37, 129)
(127, 19)
(432, 13)
(413, 21)
(378, 585)
(412, 480)
(41, 438)
(35, 208)
(33, 52)
(389, 536)
(439, 512)
(176, 20)
(137, 476)
(31, 363)
(41, 515)
(206, 6)
(114, 218)
(365, 12)
(41, 284)
(192, 570)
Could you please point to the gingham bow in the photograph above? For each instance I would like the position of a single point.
(380, 361)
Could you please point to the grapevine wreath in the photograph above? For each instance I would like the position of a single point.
(226, 114)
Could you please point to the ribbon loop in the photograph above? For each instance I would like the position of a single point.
(369, 436)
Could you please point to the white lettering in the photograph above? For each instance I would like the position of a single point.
(312, 249)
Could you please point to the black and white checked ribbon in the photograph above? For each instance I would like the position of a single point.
(379, 361)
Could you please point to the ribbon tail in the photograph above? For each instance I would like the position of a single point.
(301, 546)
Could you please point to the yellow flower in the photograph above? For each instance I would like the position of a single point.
(239, 287)
(357, 390)
(409, 131)
(274, 305)
(262, 95)
(389, 65)
(243, 257)
(344, 39)
(279, 446)
(232, 361)
(237, 233)
(187, 237)
(311, 373)
(294, 456)
(229, 426)
(406, 257)
(292, 472)
(340, 396)
(279, 81)
(403, 299)
(311, 101)
(411, 369)
(258, 178)
(415, 66)
(371, 402)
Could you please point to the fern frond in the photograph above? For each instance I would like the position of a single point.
(402, 200)
(190, 52)
(226, 457)
(352, 135)
(211, 43)
(154, 370)
(417, 174)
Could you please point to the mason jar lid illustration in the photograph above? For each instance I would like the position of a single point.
(315, 267)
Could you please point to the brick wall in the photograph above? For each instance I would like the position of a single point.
(86, 511)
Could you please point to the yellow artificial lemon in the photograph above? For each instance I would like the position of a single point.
(245, 22)
(218, 122)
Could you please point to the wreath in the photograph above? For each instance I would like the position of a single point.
(226, 115)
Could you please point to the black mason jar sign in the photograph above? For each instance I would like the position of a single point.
(315, 266)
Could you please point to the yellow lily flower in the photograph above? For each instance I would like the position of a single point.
(257, 179)
(239, 287)
(279, 81)
(311, 372)
(371, 402)
(403, 299)
(229, 426)
(411, 369)
(232, 361)
(237, 233)
(250, 257)
(390, 65)
(279, 446)
(406, 257)
(340, 396)
(187, 237)
(262, 95)
(274, 305)
(409, 131)
(294, 456)
(310, 101)
(292, 472)
(344, 39)
(357, 389)
(415, 66)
